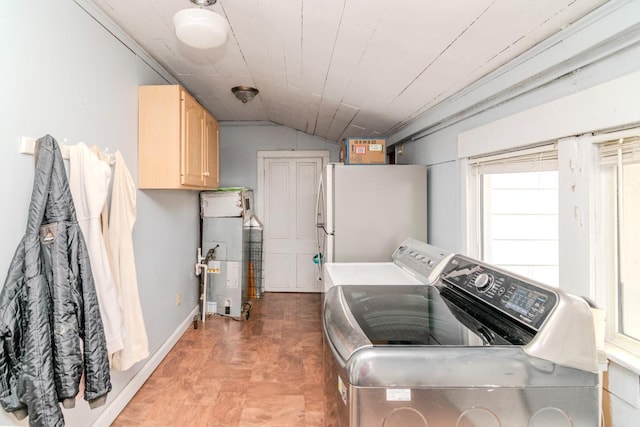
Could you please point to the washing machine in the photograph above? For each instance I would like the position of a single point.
(412, 262)
(476, 346)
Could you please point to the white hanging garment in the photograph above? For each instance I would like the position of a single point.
(89, 182)
(104, 219)
(122, 217)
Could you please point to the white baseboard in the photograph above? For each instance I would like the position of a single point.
(112, 410)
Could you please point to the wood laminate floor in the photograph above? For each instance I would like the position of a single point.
(265, 371)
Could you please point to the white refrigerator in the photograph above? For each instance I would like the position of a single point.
(365, 211)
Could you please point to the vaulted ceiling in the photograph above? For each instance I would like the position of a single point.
(337, 68)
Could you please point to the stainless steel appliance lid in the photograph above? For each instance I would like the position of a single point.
(480, 303)
(388, 328)
(418, 315)
(358, 317)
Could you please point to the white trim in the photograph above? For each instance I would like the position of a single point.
(576, 217)
(469, 193)
(623, 357)
(111, 412)
(605, 106)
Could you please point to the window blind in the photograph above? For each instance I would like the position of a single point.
(625, 150)
(533, 159)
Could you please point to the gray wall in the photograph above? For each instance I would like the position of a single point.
(241, 141)
(65, 75)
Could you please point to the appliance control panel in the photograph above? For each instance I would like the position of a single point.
(523, 300)
(422, 260)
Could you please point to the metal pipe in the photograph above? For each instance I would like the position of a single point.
(200, 267)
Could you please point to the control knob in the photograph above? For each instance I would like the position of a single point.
(483, 282)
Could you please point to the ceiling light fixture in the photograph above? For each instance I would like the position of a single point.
(199, 27)
(245, 93)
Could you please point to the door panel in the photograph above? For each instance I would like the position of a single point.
(307, 177)
(280, 270)
(306, 273)
(278, 206)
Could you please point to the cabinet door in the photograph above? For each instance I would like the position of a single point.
(211, 153)
(192, 141)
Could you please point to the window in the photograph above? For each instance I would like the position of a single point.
(517, 197)
(619, 211)
(520, 223)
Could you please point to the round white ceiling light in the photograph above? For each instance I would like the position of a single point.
(200, 28)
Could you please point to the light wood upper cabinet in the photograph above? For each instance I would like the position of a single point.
(192, 142)
(177, 141)
(212, 161)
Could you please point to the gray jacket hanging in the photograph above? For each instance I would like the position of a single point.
(50, 326)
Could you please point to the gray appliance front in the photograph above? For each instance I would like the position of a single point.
(459, 353)
(480, 387)
(373, 208)
(227, 274)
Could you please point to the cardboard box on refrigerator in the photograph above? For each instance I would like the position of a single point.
(365, 151)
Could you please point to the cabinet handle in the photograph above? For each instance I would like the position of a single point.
(205, 174)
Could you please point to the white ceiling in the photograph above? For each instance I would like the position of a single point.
(337, 68)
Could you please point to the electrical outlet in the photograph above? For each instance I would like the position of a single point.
(178, 298)
(227, 306)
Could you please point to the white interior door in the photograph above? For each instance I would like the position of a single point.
(288, 193)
